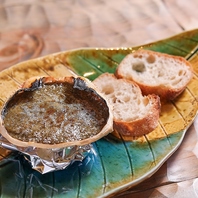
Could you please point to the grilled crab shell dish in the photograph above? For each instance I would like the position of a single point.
(55, 113)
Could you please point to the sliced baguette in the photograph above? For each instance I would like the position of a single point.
(133, 114)
(158, 73)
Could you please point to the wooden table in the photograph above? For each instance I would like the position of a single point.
(34, 28)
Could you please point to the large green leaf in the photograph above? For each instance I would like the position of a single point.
(113, 164)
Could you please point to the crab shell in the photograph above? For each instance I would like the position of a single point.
(79, 83)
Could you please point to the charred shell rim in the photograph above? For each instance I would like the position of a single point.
(79, 83)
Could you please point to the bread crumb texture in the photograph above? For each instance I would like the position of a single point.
(155, 69)
(134, 114)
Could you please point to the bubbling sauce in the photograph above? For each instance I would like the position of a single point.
(55, 113)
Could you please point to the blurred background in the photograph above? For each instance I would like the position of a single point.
(34, 28)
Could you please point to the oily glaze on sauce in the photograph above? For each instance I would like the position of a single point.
(55, 113)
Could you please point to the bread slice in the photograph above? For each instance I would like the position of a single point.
(158, 73)
(133, 114)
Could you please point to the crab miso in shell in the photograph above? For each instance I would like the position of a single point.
(56, 113)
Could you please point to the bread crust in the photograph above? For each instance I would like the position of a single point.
(165, 91)
(142, 126)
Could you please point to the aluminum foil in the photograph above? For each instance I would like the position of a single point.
(48, 160)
